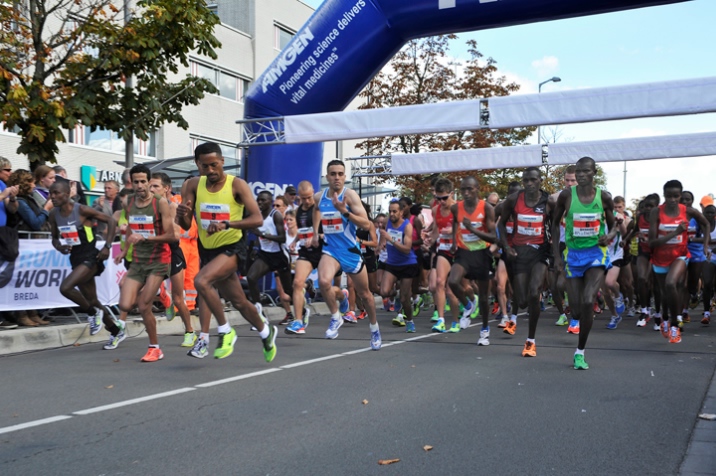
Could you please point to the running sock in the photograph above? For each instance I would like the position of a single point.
(224, 329)
(265, 332)
(156, 346)
(579, 352)
(204, 336)
(530, 340)
(374, 327)
(513, 318)
(644, 310)
(336, 316)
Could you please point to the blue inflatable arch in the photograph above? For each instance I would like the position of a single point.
(346, 42)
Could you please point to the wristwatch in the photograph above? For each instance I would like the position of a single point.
(227, 223)
(347, 215)
(108, 245)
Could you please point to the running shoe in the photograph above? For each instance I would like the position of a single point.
(631, 312)
(685, 318)
(454, 327)
(170, 311)
(296, 327)
(573, 327)
(475, 308)
(306, 316)
(398, 306)
(665, 329)
(675, 335)
(530, 350)
(350, 316)
(333, 326)
(693, 301)
(464, 322)
(579, 363)
(495, 308)
(200, 349)
(484, 337)
(417, 304)
(386, 304)
(435, 316)
(189, 339)
(362, 315)
(391, 305)
(226, 344)
(643, 319)
(510, 328)
(375, 341)
(447, 307)
(95, 322)
(468, 309)
(269, 344)
(614, 322)
(399, 320)
(542, 306)
(503, 322)
(657, 323)
(619, 304)
(567, 310)
(597, 309)
(550, 299)
(115, 340)
(344, 304)
(153, 354)
(562, 321)
(706, 320)
(410, 327)
(439, 326)
(287, 320)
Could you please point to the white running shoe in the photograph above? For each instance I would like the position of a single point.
(484, 337)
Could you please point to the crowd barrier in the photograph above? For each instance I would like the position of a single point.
(33, 280)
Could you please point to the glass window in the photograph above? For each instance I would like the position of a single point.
(99, 138)
(244, 83)
(228, 86)
(206, 73)
(283, 37)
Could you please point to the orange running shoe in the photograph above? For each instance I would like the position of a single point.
(530, 350)
(510, 328)
(573, 327)
(496, 307)
(153, 354)
(674, 335)
(597, 309)
(362, 315)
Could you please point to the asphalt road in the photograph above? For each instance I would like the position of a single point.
(334, 407)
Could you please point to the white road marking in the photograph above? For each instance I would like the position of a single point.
(30, 424)
(133, 401)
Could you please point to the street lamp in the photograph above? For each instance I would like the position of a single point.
(553, 79)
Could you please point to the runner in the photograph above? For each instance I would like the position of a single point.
(502, 284)
(368, 241)
(557, 279)
(586, 209)
(709, 270)
(340, 213)
(690, 297)
(528, 256)
(668, 239)
(473, 230)
(150, 230)
(161, 185)
(612, 293)
(442, 236)
(272, 256)
(219, 201)
(71, 227)
(402, 265)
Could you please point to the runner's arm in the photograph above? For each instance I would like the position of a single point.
(185, 209)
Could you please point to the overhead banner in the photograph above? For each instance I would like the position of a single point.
(346, 42)
(33, 280)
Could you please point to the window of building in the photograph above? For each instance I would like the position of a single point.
(230, 85)
(282, 37)
(111, 141)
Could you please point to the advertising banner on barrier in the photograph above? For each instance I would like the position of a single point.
(33, 280)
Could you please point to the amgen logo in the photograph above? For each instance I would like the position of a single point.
(274, 188)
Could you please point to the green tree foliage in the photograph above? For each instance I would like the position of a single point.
(421, 74)
(66, 61)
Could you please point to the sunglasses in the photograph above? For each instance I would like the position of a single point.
(443, 198)
(7, 170)
(277, 205)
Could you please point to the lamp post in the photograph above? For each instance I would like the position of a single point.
(553, 79)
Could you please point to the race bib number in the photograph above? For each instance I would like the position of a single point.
(692, 232)
(213, 212)
(510, 227)
(586, 225)
(395, 236)
(69, 234)
(305, 235)
(332, 222)
(666, 229)
(445, 241)
(142, 225)
(643, 235)
(530, 225)
(467, 235)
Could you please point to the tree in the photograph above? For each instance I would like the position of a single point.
(420, 74)
(64, 62)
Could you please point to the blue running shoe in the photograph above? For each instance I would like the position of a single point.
(295, 327)
(398, 305)
(344, 304)
(619, 305)
(333, 326)
(614, 322)
(409, 326)
(375, 341)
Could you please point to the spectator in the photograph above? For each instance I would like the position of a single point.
(290, 195)
(281, 204)
(104, 204)
(8, 204)
(32, 215)
(44, 178)
(127, 185)
(76, 193)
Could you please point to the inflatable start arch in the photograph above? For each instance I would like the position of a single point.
(346, 42)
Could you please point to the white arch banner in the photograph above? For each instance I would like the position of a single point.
(617, 150)
(668, 98)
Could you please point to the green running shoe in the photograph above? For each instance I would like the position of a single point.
(579, 363)
(170, 312)
(447, 307)
(417, 305)
(440, 326)
(189, 339)
(399, 320)
(454, 327)
(562, 321)
(270, 344)
(475, 308)
(226, 344)
(435, 316)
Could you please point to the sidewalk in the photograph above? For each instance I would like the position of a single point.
(31, 339)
